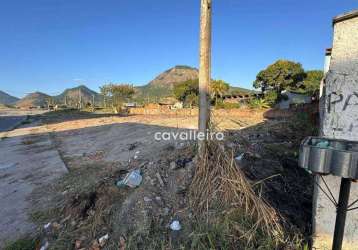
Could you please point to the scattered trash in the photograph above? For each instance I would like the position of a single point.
(180, 163)
(78, 244)
(132, 179)
(166, 211)
(161, 182)
(103, 240)
(240, 157)
(147, 199)
(173, 165)
(132, 146)
(45, 246)
(175, 225)
(180, 145)
(136, 155)
(122, 243)
(47, 226)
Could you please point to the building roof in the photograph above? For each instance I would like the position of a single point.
(345, 16)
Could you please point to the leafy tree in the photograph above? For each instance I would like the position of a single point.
(217, 89)
(271, 97)
(280, 76)
(312, 81)
(118, 93)
(187, 91)
(192, 100)
(105, 91)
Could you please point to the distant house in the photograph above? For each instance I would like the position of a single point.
(236, 98)
(130, 105)
(292, 98)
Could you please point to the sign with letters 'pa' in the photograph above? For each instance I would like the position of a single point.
(341, 105)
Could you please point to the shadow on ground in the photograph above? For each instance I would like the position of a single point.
(98, 156)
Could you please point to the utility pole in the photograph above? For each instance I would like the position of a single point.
(204, 71)
(93, 103)
(80, 99)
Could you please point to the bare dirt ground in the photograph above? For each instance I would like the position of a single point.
(27, 161)
(98, 150)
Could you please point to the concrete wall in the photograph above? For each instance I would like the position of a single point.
(339, 119)
(293, 98)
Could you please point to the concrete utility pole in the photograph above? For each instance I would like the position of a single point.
(93, 103)
(204, 70)
(80, 99)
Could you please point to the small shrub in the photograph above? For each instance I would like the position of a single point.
(258, 104)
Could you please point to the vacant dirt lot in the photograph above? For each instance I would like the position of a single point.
(99, 149)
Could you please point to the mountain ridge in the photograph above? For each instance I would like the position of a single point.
(34, 99)
(7, 99)
(159, 87)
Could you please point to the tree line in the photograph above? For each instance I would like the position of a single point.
(272, 81)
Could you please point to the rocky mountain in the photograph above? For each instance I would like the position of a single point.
(7, 99)
(33, 100)
(71, 96)
(175, 75)
(162, 85)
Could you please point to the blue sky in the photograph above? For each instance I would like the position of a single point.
(50, 45)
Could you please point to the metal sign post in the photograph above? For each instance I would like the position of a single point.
(325, 156)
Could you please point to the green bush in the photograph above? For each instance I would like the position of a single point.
(258, 104)
(271, 97)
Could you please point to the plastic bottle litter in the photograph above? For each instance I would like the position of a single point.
(175, 225)
(132, 179)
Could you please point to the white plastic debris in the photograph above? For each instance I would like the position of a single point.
(175, 225)
(47, 226)
(102, 241)
(132, 179)
(240, 157)
(45, 246)
(147, 199)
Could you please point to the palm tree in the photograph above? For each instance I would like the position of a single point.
(218, 88)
